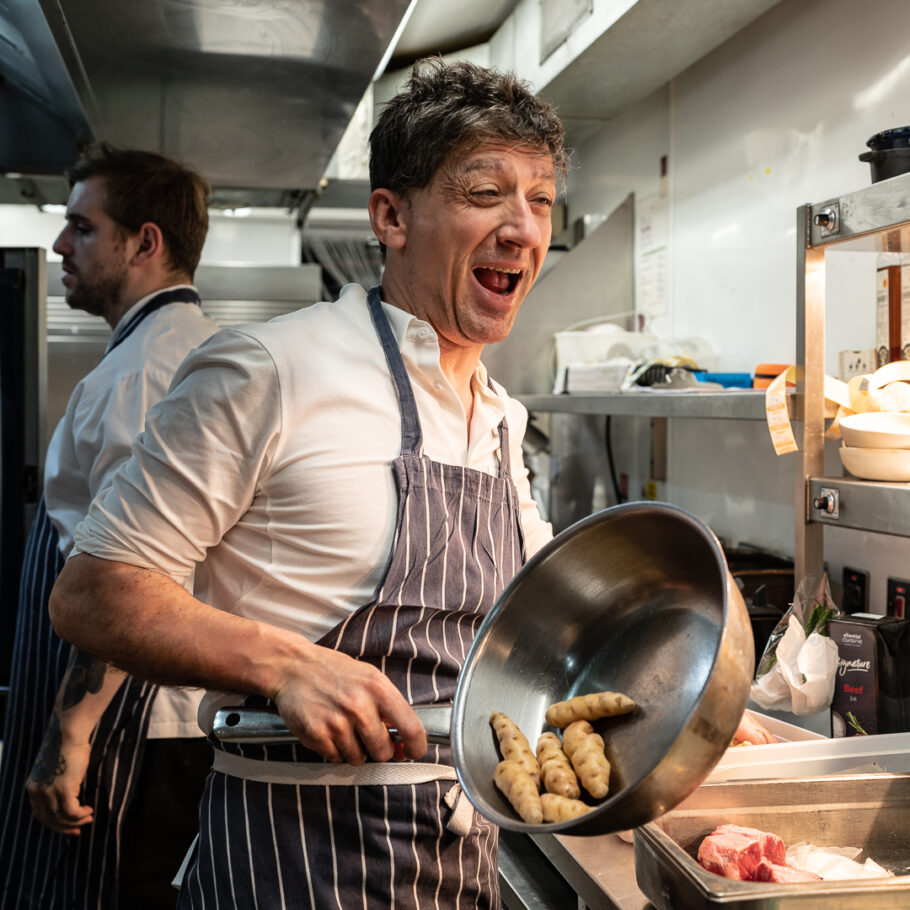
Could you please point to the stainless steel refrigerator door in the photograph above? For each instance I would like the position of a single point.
(23, 432)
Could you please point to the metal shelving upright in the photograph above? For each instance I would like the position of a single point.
(875, 219)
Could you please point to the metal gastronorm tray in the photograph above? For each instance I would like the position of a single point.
(862, 810)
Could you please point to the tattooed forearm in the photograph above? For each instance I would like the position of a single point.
(84, 675)
(49, 763)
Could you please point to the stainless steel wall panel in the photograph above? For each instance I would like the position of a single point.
(296, 283)
(255, 93)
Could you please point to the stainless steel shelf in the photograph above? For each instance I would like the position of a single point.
(867, 505)
(875, 218)
(733, 404)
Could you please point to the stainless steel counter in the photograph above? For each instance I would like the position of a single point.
(870, 776)
(595, 873)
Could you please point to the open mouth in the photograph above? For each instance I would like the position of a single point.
(498, 281)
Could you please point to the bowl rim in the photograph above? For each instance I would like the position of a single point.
(857, 421)
(881, 452)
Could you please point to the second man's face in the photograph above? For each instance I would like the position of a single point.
(94, 250)
(476, 239)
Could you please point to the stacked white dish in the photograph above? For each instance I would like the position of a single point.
(876, 445)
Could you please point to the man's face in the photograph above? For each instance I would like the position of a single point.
(476, 238)
(94, 249)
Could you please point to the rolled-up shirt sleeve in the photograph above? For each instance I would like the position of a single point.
(195, 468)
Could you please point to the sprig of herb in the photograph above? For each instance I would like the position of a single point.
(818, 619)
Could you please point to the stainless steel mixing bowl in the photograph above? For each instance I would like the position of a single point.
(636, 599)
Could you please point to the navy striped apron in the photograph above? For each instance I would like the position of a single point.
(263, 844)
(40, 868)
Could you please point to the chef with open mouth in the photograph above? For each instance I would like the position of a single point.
(349, 481)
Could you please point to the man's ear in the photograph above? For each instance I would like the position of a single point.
(149, 244)
(388, 217)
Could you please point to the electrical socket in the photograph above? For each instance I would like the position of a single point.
(856, 590)
(855, 363)
(898, 592)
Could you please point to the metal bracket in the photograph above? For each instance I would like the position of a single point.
(827, 503)
(827, 220)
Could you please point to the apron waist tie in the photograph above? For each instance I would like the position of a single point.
(341, 775)
(329, 774)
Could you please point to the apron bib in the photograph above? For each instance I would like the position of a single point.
(343, 840)
(40, 868)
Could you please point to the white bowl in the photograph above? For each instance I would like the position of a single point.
(876, 429)
(876, 464)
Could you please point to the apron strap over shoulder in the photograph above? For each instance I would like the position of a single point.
(411, 435)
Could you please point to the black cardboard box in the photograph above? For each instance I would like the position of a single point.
(870, 691)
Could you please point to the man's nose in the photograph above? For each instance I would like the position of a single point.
(522, 227)
(62, 245)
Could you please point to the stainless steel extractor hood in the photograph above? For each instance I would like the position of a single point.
(256, 94)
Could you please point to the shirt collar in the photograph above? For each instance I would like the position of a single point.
(139, 304)
(401, 322)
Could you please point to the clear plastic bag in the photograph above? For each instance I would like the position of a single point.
(797, 670)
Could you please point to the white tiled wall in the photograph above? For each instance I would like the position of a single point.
(772, 119)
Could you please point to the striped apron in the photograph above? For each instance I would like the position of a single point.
(279, 827)
(40, 868)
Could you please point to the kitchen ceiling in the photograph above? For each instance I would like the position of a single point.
(258, 93)
(254, 93)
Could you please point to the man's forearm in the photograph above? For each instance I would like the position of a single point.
(87, 689)
(58, 771)
(150, 626)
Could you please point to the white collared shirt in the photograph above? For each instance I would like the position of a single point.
(92, 440)
(106, 410)
(270, 460)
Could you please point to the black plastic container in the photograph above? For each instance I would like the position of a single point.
(889, 153)
(766, 583)
(870, 693)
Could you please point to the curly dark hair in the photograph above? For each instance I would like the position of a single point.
(457, 106)
(145, 186)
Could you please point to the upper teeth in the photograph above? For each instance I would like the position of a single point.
(506, 271)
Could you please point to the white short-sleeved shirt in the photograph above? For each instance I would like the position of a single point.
(103, 415)
(268, 464)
